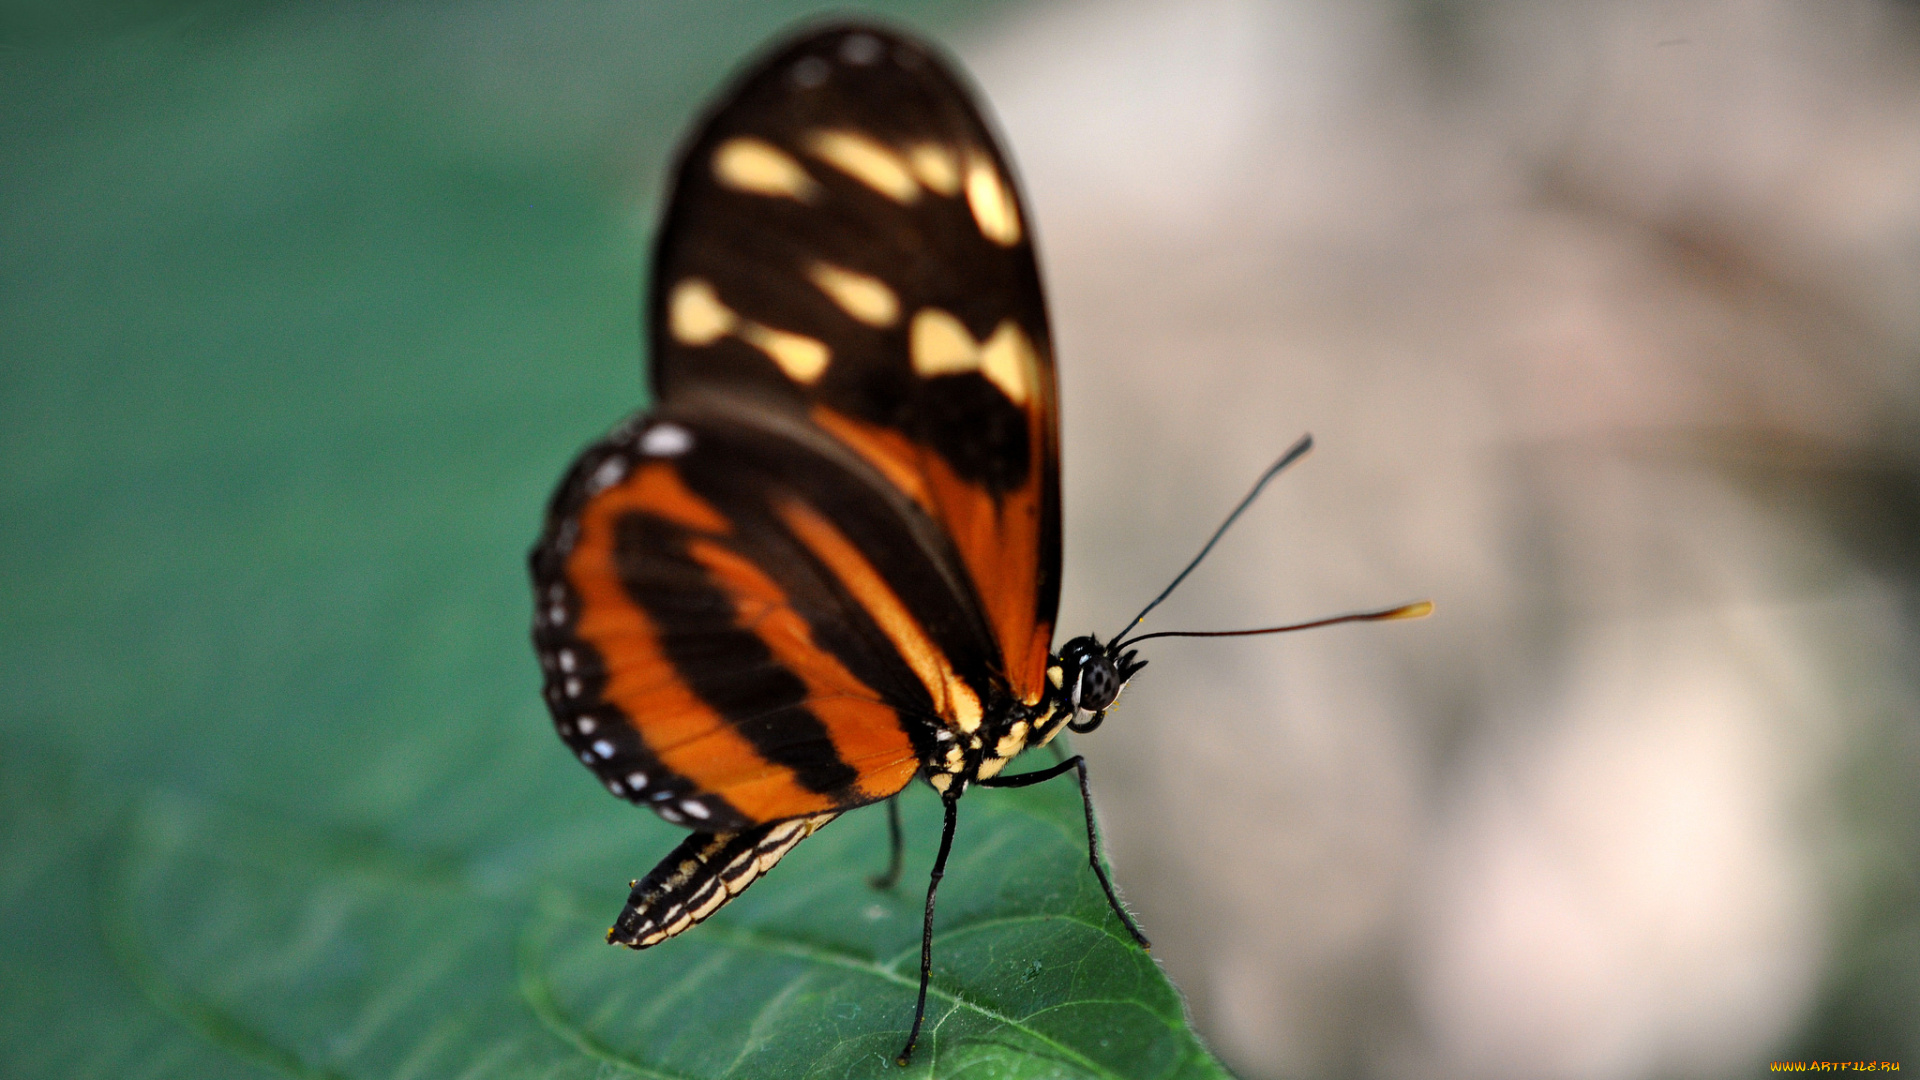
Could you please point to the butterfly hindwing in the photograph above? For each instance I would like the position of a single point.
(846, 245)
(717, 647)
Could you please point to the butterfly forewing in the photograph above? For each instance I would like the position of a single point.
(845, 247)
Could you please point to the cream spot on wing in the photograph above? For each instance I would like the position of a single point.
(935, 167)
(801, 357)
(992, 203)
(695, 314)
(666, 440)
(748, 164)
(604, 477)
(940, 344)
(872, 163)
(865, 298)
(1007, 360)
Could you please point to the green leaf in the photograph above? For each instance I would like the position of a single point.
(341, 955)
(815, 975)
(305, 310)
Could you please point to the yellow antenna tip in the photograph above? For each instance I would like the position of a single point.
(1419, 610)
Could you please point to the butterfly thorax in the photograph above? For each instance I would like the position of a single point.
(1084, 677)
(1007, 727)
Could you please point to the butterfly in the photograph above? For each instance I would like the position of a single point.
(827, 560)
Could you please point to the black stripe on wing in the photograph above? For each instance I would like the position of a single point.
(747, 469)
(726, 664)
(598, 732)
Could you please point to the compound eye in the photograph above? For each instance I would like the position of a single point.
(1099, 684)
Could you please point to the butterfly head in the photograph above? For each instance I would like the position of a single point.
(1091, 678)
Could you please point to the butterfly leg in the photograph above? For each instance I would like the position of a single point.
(952, 803)
(1093, 837)
(886, 880)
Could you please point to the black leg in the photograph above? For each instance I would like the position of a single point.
(886, 880)
(1028, 779)
(952, 803)
(1093, 841)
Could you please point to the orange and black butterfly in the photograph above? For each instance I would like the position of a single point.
(827, 560)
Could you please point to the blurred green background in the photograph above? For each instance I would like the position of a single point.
(305, 309)
(1607, 318)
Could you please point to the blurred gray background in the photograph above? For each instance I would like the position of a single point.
(1605, 316)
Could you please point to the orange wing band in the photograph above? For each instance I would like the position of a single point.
(689, 736)
(996, 538)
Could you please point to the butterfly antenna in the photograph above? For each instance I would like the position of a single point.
(1418, 610)
(1295, 453)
